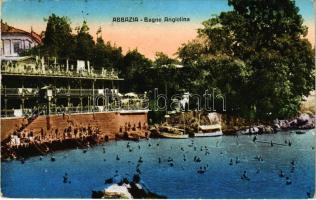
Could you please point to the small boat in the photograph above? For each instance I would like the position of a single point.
(209, 131)
(172, 132)
(173, 135)
(300, 132)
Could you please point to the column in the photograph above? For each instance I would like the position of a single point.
(68, 98)
(11, 47)
(22, 105)
(5, 107)
(93, 100)
(80, 83)
(55, 101)
(22, 98)
(2, 46)
(67, 65)
(81, 104)
(89, 104)
(104, 94)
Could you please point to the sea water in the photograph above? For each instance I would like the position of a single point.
(40, 177)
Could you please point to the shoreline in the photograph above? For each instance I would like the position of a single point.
(48, 148)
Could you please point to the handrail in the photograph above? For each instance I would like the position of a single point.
(33, 70)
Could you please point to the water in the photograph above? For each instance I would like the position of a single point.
(87, 171)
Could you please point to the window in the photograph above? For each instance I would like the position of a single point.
(16, 47)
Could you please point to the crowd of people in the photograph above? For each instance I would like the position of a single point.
(128, 127)
(22, 136)
(25, 137)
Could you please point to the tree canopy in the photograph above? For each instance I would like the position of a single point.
(60, 41)
(257, 56)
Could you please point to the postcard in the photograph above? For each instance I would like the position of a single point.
(181, 99)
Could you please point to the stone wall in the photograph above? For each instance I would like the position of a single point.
(109, 123)
(9, 125)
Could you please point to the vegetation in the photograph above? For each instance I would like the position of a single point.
(255, 55)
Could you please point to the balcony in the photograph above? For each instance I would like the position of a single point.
(58, 71)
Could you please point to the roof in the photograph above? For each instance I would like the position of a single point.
(6, 29)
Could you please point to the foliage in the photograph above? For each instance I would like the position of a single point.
(59, 41)
(256, 55)
(132, 70)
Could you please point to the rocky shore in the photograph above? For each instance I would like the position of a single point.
(187, 122)
(122, 188)
(301, 122)
(35, 148)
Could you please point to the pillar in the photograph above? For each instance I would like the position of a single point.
(80, 83)
(67, 65)
(93, 96)
(11, 47)
(5, 107)
(88, 64)
(104, 94)
(22, 104)
(81, 104)
(55, 101)
(89, 104)
(68, 95)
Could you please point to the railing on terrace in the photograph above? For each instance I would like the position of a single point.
(119, 103)
(74, 109)
(56, 92)
(19, 91)
(26, 70)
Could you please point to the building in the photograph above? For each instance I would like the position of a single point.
(36, 94)
(14, 41)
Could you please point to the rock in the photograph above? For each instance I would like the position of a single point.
(126, 190)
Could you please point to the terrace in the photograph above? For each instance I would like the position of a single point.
(30, 67)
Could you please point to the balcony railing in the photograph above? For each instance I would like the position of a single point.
(74, 109)
(56, 91)
(19, 91)
(118, 103)
(58, 72)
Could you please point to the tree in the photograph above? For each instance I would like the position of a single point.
(164, 60)
(106, 55)
(58, 40)
(267, 37)
(84, 43)
(100, 60)
(133, 71)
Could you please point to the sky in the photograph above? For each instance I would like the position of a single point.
(147, 37)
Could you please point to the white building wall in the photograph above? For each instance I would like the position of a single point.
(21, 42)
